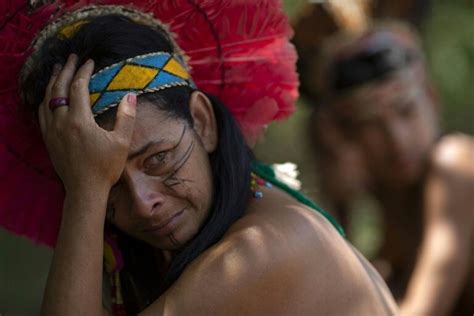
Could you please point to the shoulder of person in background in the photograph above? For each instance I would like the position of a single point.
(452, 162)
(454, 153)
(445, 258)
(452, 171)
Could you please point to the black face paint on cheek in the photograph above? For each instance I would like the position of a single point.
(173, 240)
(172, 180)
(180, 138)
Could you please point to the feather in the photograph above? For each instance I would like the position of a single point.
(238, 50)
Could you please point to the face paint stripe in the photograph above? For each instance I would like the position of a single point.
(173, 240)
(180, 164)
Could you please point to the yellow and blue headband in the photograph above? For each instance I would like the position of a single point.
(140, 74)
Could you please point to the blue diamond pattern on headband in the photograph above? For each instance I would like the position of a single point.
(108, 98)
(140, 74)
(164, 78)
(102, 79)
(154, 61)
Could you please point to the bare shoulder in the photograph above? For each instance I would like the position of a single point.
(454, 154)
(449, 190)
(281, 258)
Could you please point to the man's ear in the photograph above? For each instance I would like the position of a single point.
(204, 119)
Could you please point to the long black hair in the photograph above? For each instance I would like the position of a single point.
(113, 38)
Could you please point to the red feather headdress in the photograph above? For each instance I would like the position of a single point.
(238, 50)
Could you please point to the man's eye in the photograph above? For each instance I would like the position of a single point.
(160, 157)
(157, 159)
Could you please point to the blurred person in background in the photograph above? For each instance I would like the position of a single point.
(314, 23)
(376, 129)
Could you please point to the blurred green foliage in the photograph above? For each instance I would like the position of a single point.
(449, 41)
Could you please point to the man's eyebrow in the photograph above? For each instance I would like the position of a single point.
(143, 149)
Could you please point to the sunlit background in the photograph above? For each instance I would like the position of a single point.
(448, 38)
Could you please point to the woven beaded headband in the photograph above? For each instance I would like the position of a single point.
(141, 74)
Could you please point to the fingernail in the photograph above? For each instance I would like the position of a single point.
(132, 98)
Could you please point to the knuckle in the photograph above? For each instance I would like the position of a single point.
(78, 83)
(56, 88)
(127, 115)
(57, 126)
(74, 125)
(122, 143)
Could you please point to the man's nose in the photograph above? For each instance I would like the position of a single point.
(146, 198)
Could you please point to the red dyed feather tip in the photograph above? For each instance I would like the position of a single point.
(238, 50)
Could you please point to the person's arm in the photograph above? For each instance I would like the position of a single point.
(443, 262)
(74, 285)
(89, 160)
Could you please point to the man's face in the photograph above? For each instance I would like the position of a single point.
(394, 122)
(165, 192)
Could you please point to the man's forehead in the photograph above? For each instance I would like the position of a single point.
(387, 92)
(152, 124)
(376, 96)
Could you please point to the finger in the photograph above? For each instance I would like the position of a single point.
(125, 119)
(79, 92)
(62, 84)
(47, 115)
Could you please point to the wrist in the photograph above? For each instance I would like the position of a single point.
(88, 194)
(89, 187)
(84, 210)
